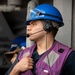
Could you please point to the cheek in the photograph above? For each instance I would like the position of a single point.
(38, 35)
(37, 30)
(38, 27)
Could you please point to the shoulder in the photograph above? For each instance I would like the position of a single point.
(28, 49)
(71, 57)
(69, 66)
(26, 52)
(61, 45)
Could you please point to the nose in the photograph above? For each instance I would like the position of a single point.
(28, 28)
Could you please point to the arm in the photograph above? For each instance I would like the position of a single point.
(69, 66)
(23, 65)
(14, 71)
(10, 69)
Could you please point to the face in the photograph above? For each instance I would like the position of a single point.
(13, 58)
(35, 30)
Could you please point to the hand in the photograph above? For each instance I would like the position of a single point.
(24, 64)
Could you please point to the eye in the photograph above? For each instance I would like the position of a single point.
(34, 23)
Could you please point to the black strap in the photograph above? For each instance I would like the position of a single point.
(10, 69)
(15, 62)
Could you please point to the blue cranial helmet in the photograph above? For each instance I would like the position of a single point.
(18, 43)
(46, 12)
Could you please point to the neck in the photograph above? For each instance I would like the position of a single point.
(45, 44)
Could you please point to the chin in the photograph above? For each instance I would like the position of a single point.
(32, 39)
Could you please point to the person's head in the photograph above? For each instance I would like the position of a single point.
(45, 17)
(16, 46)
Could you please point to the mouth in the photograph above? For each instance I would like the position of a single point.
(28, 35)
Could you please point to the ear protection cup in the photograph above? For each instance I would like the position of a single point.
(48, 26)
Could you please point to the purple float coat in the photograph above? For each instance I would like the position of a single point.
(51, 62)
